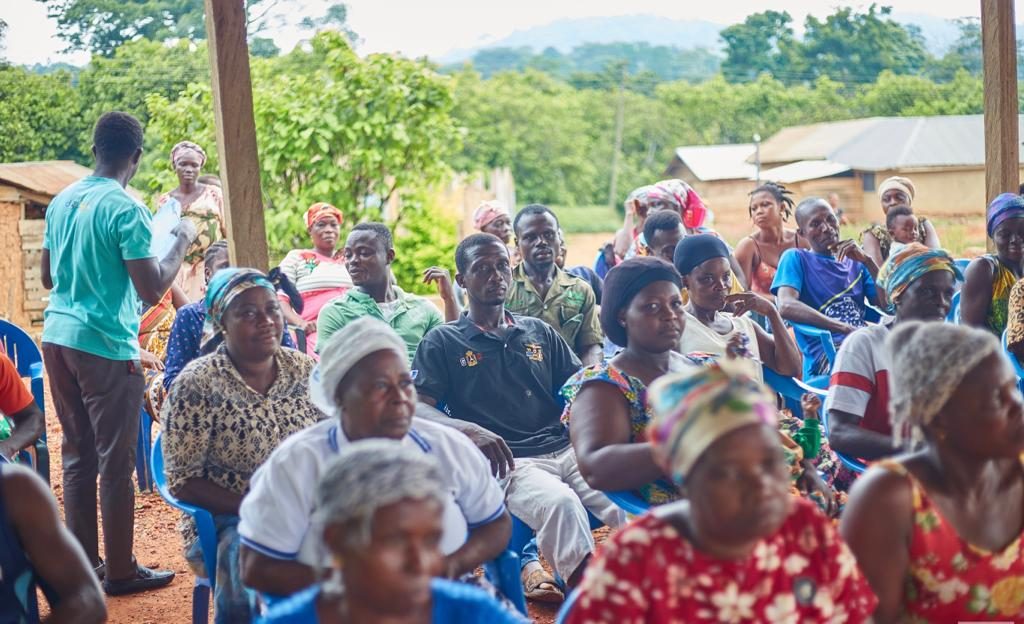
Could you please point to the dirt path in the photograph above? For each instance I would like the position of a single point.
(158, 545)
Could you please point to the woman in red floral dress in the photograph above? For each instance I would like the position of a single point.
(739, 549)
(938, 531)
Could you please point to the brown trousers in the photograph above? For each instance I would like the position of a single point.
(98, 403)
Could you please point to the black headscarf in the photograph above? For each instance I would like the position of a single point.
(622, 283)
(694, 250)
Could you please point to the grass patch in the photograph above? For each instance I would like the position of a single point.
(587, 219)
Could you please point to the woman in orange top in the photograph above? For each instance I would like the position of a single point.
(758, 254)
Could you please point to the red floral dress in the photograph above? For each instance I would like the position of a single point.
(648, 572)
(951, 580)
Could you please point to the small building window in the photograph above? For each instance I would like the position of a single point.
(868, 182)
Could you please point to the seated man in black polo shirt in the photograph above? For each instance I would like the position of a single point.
(503, 372)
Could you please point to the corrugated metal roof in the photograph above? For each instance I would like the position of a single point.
(47, 177)
(803, 170)
(718, 162)
(880, 143)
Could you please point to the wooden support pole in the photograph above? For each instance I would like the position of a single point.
(236, 132)
(999, 53)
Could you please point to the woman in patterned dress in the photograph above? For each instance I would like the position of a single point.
(319, 274)
(988, 280)
(204, 204)
(737, 549)
(938, 531)
(226, 412)
(876, 240)
(606, 404)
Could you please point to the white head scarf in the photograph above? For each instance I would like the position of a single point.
(343, 351)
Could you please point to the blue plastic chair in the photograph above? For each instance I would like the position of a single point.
(629, 502)
(962, 263)
(1016, 363)
(790, 388)
(143, 469)
(567, 607)
(824, 338)
(953, 316)
(207, 537)
(22, 350)
(504, 573)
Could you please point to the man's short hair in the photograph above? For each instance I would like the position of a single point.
(531, 210)
(379, 230)
(472, 242)
(117, 136)
(661, 221)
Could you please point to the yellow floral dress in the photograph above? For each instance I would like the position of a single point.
(207, 212)
(951, 580)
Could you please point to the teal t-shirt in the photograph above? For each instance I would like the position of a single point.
(92, 227)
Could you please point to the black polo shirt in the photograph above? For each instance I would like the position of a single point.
(508, 385)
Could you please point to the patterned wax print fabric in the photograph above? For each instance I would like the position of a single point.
(635, 393)
(649, 572)
(219, 429)
(951, 580)
(1003, 281)
(207, 211)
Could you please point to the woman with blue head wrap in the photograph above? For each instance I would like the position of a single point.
(985, 299)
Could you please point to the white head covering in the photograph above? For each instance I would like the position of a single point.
(343, 351)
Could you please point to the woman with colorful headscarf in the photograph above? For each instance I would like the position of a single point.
(985, 299)
(492, 217)
(737, 548)
(319, 273)
(937, 530)
(203, 203)
(919, 284)
(876, 240)
(226, 412)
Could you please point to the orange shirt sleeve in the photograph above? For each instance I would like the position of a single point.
(14, 396)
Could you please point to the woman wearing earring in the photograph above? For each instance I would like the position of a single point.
(758, 254)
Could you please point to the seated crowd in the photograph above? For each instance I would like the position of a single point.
(364, 453)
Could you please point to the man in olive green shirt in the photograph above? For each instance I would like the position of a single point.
(369, 252)
(542, 290)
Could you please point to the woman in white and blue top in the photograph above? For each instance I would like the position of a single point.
(364, 382)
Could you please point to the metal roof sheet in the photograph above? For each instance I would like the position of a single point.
(47, 177)
(803, 170)
(718, 162)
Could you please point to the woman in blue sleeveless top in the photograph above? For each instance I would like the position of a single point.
(36, 549)
(380, 507)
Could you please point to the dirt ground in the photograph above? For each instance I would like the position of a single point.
(158, 545)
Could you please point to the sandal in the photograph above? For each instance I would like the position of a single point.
(541, 587)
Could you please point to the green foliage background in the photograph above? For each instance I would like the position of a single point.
(357, 131)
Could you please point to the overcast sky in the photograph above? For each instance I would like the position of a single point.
(435, 27)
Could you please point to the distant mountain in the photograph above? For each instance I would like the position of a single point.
(566, 34)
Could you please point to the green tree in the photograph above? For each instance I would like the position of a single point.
(101, 26)
(764, 42)
(353, 132)
(856, 47)
(534, 124)
(40, 116)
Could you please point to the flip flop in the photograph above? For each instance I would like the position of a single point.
(541, 587)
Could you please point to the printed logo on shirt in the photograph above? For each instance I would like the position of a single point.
(575, 298)
(534, 352)
(471, 359)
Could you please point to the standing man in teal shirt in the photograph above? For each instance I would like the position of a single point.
(97, 262)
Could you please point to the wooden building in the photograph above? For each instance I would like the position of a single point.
(943, 155)
(25, 191)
